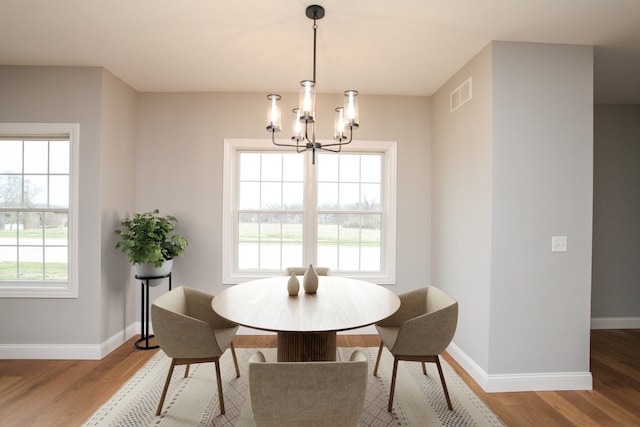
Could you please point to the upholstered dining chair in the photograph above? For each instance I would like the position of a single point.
(299, 271)
(419, 331)
(189, 331)
(310, 394)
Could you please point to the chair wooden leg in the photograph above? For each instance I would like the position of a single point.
(375, 369)
(166, 386)
(424, 368)
(219, 380)
(235, 360)
(186, 370)
(393, 383)
(444, 384)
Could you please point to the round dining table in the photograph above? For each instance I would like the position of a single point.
(306, 324)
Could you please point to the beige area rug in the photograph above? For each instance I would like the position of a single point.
(193, 401)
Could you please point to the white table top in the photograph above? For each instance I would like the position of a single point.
(339, 304)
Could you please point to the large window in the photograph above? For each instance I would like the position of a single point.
(37, 175)
(281, 211)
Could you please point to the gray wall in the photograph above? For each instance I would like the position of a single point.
(462, 203)
(118, 297)
(511, 171)
(105, 108)
(616, 212)
(61, 95)
(543, 186)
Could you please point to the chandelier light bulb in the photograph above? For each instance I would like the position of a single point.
(307, 100)
(274, 121)
(339, 125)
(351, 108)
(298, 134)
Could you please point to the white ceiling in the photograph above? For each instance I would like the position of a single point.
(404, 47)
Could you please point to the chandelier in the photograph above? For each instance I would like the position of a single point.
(304, 130)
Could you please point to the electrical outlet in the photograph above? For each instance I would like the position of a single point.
(559, 244)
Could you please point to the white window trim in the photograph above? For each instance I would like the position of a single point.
(44, 289)
(231, 146)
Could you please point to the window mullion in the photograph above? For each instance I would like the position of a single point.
(234, 207)
(310, 215)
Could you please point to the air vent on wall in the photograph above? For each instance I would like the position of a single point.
(460, 95)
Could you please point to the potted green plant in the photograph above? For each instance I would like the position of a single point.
(150, 242)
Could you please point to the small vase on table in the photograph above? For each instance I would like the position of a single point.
(310, 280)
(293, 285)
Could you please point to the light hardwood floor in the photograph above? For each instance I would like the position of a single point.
(65, 392)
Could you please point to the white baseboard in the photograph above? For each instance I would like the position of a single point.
(521, 382)
(51, 351)
(615, 323)
(68, 351)
(118, 339)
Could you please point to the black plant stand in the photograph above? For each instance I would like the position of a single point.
(144, 311)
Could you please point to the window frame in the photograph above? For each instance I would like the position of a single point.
(44, 288)
(232, 147)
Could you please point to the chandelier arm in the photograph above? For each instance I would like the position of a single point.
(340, 144)
(279, 144)
(324, 148)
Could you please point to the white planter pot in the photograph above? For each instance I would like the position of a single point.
(148, 270)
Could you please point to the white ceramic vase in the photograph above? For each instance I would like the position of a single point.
(310, 280)
(293, 285)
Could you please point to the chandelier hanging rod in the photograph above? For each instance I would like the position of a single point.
(305, 140)
(315, 12)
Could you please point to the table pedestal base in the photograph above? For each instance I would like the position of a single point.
(306, 346)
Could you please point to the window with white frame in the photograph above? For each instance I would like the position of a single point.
(280, 210)
(38, 173)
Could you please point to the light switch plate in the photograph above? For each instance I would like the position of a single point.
(559, 244)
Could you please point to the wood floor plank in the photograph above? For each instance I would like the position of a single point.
(619, 414)
(578, 416)
(589, 404)
(619, 364)
(6, 382)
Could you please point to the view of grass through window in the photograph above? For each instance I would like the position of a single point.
(36, 261)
